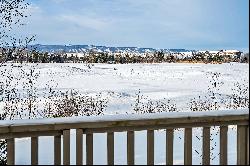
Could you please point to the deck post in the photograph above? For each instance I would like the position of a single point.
(242, 145)
(79, 148)
(110, 148)
(206, 146)
(223, 145)
(34, 150)
(89, 149)
(188, 146)
(130, 147)
(150, 147)
(57, 150)
(169, 146)
(66, 147)
(11, 151)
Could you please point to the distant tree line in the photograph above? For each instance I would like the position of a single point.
(117, 58)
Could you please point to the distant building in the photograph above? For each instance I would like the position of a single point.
(245, 58)
(228, 53)
(232, 53)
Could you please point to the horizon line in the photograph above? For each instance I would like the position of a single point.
(243, 50)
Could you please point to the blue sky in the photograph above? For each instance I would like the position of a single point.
(190, 24)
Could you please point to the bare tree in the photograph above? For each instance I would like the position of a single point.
(12, 13)
(12, 16)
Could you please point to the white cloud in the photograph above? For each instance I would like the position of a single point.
(84, 21)
(32, 9)
(59, 1)
(161, 23)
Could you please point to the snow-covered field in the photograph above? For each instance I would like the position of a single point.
(120, 83)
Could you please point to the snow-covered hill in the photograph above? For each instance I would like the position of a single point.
(86, 48)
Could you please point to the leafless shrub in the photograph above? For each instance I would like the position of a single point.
(21, 99)
(143, 105)
(239, 97)
(72, 103)
(19, 92)
(215, 100)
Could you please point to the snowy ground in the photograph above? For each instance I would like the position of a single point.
(120, 83)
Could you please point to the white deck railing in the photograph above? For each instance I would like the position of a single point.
(109, 124)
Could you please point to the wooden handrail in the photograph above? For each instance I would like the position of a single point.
(59, 127)
(134, 122)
